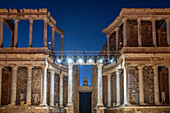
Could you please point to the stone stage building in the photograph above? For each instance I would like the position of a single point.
(37, 80)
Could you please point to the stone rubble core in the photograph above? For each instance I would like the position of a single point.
(31, 80)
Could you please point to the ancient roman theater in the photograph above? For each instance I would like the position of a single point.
(131, 74)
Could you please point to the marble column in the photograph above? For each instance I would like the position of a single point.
(70, 85)
(44, 91)
(117, 39)
(141, 88)
(156, 85)
(139, 32)
(99, 86)
(118, 87)
(62, 38)
(30, 32)
(154, 32)
(29, 80)
(109, 90)
(45, 32)
(108, 45)
(168, 31)
(61, 90)
(14, 85)
(16, 32)
(169, 81)
(1, 31)
(52, 88)
(125, 84)
(124, 32)
(0, 82)
(53, 39)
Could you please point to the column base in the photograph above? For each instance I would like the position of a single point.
(126, 104)
(69, 108)
(100, 104)
(158, 103)
(100, 109)
(142, 103)
(118, 104)
(43, 105)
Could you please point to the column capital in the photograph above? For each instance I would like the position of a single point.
(140, 67)
(53, 28)
(108, 36)
(45, 19)
(117, 29)
(14, 67)
(109, 75)
(31, 20)
(99, 66)
(124, 20)
(70, 66)
(1, 19)
(1, 67)
(44, 67)
(61, 75)
(29, 67)
(126, 65)
(153, 19)
(139, 19)
(52, 72)
(168, 66)
(62, 36)
(118, 71)
(16, 20)
(155, 66)
(168, 20)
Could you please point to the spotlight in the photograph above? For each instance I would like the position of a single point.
(90, 60)
(58, 60)
(80, 60)
(100, 60)
(111, 60)
(69, 61)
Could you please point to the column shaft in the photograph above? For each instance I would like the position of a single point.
(62, 37)
(118, 87)
(52, 89)
(99, 92)
(168, 31)
(156, 84)
(169, 81)
(108, 44)
(29, 80)
(154, 32)
(125, 32)
(141, 90)
(14, 85)
(0, 83)
(61, 90)
(1, 32)
(117, 39)
(44, 91)
(109, 90)
(70, 85)
(16, 33)
(30, 32)
(45, 32)
(53, 38)
(139, 32)
(126, 100)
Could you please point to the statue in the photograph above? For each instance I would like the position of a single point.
(163, 97)
(35, 98)
(85, 82)
(133, 96)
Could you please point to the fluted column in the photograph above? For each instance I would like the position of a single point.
(44, 91)
(70, 85)
(154, 32)
(0, 82)
(52, 88)
(62, 38)
(16, 32)
(156, 85)
(45, 31)
(126, 94)
(29, 80)
(141, 88)
(168, 31)
(53, 39)
(118, 87)
(109, 89)
(139, 32)
(108, 45)
(169, 81)
(14, 85)
(61, 90)
(117, 39)
(1, 31)
(124, 32)
(30, 32)
(99, 87)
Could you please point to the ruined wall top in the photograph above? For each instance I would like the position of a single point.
(135, 13)
(26, 14)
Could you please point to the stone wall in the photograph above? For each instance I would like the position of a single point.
(65, 90)
(113, 89)
(113, 42)
(105, 90)
(56, 88)
(21, 84)
(162, 37)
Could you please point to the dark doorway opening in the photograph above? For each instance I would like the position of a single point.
(85, 102)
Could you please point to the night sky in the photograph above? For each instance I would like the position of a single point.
(82, 21)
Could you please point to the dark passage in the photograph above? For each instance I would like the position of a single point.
(85, 102)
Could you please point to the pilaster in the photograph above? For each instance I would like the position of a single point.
(124, 20)
(139, 32)
(30, 31)
(16, 32)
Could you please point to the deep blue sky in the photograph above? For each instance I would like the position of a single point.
(82, 20)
